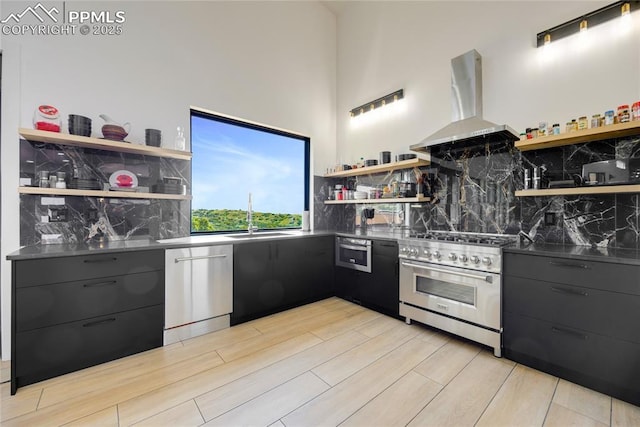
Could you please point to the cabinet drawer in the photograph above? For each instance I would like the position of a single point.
(48, 305)
(48, 352)
(67, 269)
(579, 354)
(607, 313)
(589, 274)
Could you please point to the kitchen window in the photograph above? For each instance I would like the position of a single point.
(233, 158)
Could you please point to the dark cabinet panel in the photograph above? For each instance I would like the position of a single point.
(603, 363)
(55, 350)
(378, 290)
(65, 269)
(574, 319)
(597, 275)
(607, 313)
(48, 305)
(78, 311)
(273, 276)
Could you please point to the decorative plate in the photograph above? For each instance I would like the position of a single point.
(123, 179)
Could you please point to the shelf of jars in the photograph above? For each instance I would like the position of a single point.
(577, 137)
(100, 193)
(56, 138)
(417, 199)
(601, 189)
(386, 167)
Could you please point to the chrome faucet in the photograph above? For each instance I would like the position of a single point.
(250, 227)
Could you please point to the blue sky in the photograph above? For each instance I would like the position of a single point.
(229, 162)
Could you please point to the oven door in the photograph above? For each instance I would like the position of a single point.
(353, 253)
(472, 296)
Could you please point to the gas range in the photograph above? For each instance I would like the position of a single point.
(474, 251)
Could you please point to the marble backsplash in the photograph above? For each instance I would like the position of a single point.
(475, 191)
(69, 219)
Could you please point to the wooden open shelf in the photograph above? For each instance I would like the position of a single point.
(367, 170)
(100, 144)
(418, 199)
(596, 189)
(100, 193)
(578, 137)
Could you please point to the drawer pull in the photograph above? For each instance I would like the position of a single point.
(570, 291)
(568, 332)
(95, 285)
(96, 261)
(193, 258)
(99, 322)
(568, 264)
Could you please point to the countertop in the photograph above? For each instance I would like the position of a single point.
(587, 253)
(615, 255)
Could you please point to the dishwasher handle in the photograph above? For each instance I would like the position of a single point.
(192, 258)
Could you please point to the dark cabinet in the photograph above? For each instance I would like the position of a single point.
(74, 312)
(378, 290)
(574, 319)
(271, 276)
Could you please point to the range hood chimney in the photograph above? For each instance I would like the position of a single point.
(468, 126)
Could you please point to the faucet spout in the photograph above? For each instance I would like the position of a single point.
(250, 227)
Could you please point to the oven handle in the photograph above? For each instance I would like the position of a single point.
(488, 279)
(355, 248)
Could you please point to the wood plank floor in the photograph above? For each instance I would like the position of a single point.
(329, 363)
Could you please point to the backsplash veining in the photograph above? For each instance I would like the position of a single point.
(125, 218)
(475, 192)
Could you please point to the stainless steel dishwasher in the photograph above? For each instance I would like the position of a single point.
(198, 291)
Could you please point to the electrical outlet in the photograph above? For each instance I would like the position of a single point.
(549, 218)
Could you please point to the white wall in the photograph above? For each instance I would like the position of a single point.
(269, 62)
(384, 46)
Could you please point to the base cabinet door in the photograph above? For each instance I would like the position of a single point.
(255, 291)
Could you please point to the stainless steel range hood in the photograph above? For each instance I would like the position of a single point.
(468, 126)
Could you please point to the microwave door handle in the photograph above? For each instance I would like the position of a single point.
(355, 248)
(457, 273)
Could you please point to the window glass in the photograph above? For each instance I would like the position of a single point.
(232, 159)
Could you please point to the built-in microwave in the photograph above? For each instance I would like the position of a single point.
(353, 253)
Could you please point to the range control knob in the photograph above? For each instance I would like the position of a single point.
(426, 253)
(413, 252)
(486, 260)
(436, 255)
(453, 256)
(404, 250)
(475, 259)
(464, 258)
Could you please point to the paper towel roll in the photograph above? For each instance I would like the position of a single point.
(305, 221)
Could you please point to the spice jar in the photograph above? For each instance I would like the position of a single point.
(556, 128)
(635, 111)
(542, 129)
(572, 126)
(528, 131)
(583, 123)
(595, 121)
(608, 117)
(623, 113)
(534, 132)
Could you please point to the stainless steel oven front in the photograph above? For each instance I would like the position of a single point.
(472, 296)
(353, 253)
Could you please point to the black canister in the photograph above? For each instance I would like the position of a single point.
(385, 157)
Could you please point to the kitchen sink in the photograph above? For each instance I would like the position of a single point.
(258, 234)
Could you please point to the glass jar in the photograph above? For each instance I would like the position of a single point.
(595, 121)
(572, 126)
(608, 117)
(556, 128)
(623, 113)
(542, 129)
(635, 111)
(583, 123)
(534, 132)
